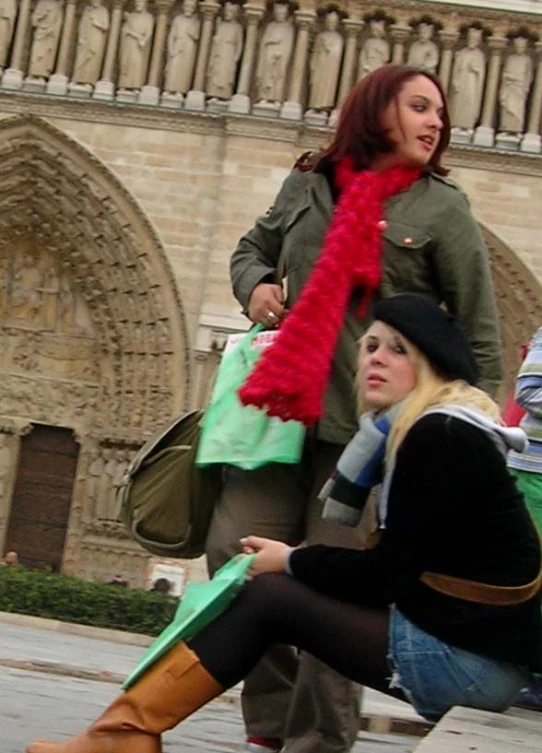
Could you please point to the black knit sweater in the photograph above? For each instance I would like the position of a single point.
(453, 509)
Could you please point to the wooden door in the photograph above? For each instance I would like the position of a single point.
(42, 497)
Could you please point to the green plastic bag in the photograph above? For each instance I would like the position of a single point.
(201, 604)
(242, 435)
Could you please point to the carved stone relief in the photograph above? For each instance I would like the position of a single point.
(276, 48)
(424, 52)
(375, 51)
(46, 22)
(517, 77)
(226, 49)
(467, 85)
(135, 46)
(325, 64)
(8, 14)
(182, 47)
(91, 39)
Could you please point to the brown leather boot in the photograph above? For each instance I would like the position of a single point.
(172, 689)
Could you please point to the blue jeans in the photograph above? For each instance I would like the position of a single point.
(436, 676)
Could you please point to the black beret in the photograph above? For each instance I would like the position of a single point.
(433, 331)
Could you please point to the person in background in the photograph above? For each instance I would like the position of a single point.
(371, 216)
(161, 585)
(513, 412)
(439, 613)
(10, 559)
(118, 580)
(526, 467)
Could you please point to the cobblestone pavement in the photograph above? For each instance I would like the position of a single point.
(53, 684)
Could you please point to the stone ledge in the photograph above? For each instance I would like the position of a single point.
(463, 730)
(303, 136)
(73, 628)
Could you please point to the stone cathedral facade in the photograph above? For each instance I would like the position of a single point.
(138, 141)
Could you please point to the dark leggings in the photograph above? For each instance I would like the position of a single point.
(275, 608)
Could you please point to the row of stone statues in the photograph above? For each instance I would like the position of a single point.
(468, 78)
(274, 56)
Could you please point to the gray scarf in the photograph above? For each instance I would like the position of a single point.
(360, 467)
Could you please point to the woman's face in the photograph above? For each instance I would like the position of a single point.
(413, 122)
(385, 369)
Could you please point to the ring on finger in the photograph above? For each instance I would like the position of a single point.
(271, 315)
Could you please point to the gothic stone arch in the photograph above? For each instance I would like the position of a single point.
(519, 302)
(92, 331)
(81, 263)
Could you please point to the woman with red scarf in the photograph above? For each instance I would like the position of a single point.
(371, 216)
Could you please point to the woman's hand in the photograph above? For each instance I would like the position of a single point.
(270, 556)
(266, 305)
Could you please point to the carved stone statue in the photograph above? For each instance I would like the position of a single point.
(182, 47)
(225, 53)
(424, 53)
(95, 471)
(467, 83)
(50, 294)
(135, 46)
(8, 13)
(66, 306)
(325, 64)
(27, 281)
(105, 492)
(517, 77)
(275, 52)
(376, 49)
(91, 40)
(46, 21)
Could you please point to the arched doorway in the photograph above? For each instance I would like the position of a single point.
(519, 302)
(92, 330)
(41, 502)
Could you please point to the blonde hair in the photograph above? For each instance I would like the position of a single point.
(431, 390)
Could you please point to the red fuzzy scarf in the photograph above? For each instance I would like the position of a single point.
(291, 376)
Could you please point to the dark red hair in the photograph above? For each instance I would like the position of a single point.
(360, 134)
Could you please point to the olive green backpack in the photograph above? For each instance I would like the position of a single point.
(164, 499)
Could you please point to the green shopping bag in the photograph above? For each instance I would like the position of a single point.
(200, 605)
(242, 435)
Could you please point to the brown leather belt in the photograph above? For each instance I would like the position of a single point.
(481, 593)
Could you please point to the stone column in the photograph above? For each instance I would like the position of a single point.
(291, 109)
(484, 135)
(58, 83)
(531, 141)
(448, 41)
(352, 28)
(105, 88)
(240, 102)
(11, 432)
(150, 93)
(13, 76)
(195, 98)
(399, 35)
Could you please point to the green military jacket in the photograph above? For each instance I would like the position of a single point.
(432, 246)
